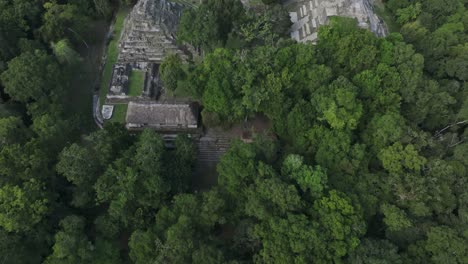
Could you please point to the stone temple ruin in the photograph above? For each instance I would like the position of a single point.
(148, 36)
(308, 15)
(149, 32)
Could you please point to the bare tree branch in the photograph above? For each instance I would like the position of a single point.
(438, 133)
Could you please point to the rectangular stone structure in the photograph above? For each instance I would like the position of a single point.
(119, 81)
(162, 116)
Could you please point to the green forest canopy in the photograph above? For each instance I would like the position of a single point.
(369, 163)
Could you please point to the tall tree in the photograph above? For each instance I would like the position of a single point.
(209, 25)
(32, 76)
(23, 207)
(63, 20)
(171, 71)
(71, 244)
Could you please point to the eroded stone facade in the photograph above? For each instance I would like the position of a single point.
(149, 32)
(147, 37)
(307, 16)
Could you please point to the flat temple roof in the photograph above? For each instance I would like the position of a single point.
(162, 114)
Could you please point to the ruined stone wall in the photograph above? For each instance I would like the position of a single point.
(308, 15)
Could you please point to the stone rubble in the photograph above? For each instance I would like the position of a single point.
(119, 81)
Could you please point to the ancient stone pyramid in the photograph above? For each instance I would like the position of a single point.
(149, 32)
(308, 15)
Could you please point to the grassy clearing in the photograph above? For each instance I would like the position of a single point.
(180, 92)
(112, 53)
(119, 114)
(136, 83)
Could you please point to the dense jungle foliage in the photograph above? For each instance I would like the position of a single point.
(368, 162)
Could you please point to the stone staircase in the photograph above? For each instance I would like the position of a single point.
(211, 148)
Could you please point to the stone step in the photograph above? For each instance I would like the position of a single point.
(217, 152)
(127, 48)
(211, 151)
(214, 141)
(213, 148)
(135, 39)
(145, 27)
(158, 47)
(201, 167)
(143, 39)
(207, 160)
(218, 145)
(210, 154)
(144, 54)
(144, 34)
(146, 41)
(207, 154)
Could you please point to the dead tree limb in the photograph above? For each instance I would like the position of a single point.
(438, 133)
